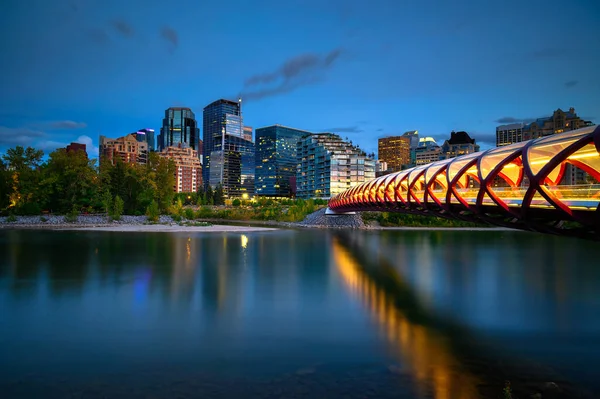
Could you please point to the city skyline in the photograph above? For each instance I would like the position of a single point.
(75, 70)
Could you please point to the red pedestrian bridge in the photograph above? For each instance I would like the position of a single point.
(550, 184)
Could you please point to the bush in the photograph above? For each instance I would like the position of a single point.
(204, 213)
(152, 211)
(236, 202)
(43, 219)
(117, 208)
(176, 218)
(11, 218)
(71, 217)
(189, 213)
(107, 203)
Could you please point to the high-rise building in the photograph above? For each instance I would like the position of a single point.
(559, 122)
(395, 151)
(128, 148)
(188, 172)
(428, 151)
(413, 135)
(509, 134)
(180, 127)
(276, 161)
(77, 147)
(146, 135)
(460, 143)
(327, 165)
(248, 133)
(228, 156)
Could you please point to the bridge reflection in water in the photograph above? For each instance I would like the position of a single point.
(425, 352)
(533, 185)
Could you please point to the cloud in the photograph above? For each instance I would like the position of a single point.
(571, 83)
(301, 70)
(347, 129)
(170, 35)
(510, 119)
(91, 149)
(66, 125)
(122, 28)
(12, 137)
(380, 130)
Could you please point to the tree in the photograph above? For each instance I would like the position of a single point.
(6, 186)
(219, 195)
(69, 180)
(209, 195)
(164, 170)
(117, 208)
(24, 165)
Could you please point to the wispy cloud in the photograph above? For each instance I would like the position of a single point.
(511, 119)
(66, 125)
(19, 136)
(170, 35)
(301, 70)
(571, 83)
(123, 28)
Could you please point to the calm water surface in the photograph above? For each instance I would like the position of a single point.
(295, 314)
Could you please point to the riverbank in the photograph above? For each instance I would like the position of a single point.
(165, 223)
(126, 224)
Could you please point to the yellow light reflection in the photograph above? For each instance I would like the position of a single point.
(420, 348)
(244, 241)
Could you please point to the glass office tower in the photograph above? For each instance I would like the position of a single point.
(276, 161)
(228, 156)
(179, 127)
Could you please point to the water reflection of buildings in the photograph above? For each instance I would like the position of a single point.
(422, 349)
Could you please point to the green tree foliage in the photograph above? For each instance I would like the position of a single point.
(152, 212)
(236, 202)
(6, 186)
(24, 165)
(69, 180)
(107, 202)
(219, 195)
(209, 196)
(118, 206)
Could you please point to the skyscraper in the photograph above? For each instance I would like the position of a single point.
(179, 126)
(395, 151)
(147, 136)
(276, 162)
(228, 156)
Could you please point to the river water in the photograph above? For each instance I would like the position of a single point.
(297, 314)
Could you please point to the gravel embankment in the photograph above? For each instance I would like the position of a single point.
(319, 219)
(82, 220)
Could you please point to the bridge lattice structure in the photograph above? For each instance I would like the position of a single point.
(525, 185)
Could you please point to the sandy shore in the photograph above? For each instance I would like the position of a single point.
(159, 228)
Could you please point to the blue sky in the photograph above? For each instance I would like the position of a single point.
(75, 69)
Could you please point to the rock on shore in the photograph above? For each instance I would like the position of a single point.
(319, 219)
(82, 220)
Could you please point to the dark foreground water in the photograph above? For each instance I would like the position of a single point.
(297, 314)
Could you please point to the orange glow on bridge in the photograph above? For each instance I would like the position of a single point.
(524, 185)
